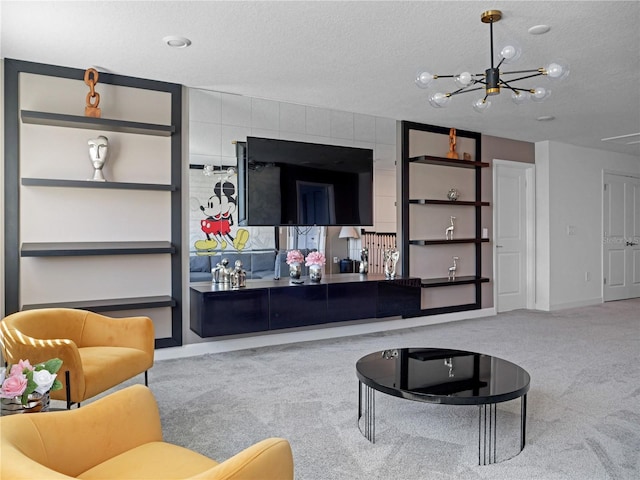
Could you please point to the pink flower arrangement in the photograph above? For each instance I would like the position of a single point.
(315, 258)
(24, 379)
(294, 256)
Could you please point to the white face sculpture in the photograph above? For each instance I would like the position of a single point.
(98, 150)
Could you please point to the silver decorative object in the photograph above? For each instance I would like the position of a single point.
(222, 273)
(295, 270)
(453, 194)
(391, 257)
(315, 273)
(238, 276)
(98, 153)
(35, 403)
(453, 268)
(448, 233)
(364, 261)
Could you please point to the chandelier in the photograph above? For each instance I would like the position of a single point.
(494, 79)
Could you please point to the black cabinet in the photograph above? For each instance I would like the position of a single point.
(297, 306)
(352, 301)
(218, 313)
(274, 305)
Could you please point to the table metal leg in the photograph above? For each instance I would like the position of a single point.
(368, 428)
(487, 433)
(523, 421)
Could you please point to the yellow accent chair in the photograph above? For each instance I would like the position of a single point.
(97, 352)
(119, 437)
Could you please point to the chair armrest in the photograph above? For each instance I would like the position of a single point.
(270, 459)
(132, 332)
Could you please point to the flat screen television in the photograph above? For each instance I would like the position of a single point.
(282, 182)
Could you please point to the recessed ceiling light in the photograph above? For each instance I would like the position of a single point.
(539, 29)
(175, 41)
(546, 118)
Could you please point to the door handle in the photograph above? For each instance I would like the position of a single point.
(498, 246)
(631, 244)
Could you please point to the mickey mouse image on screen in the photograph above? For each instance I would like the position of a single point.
(219, 211)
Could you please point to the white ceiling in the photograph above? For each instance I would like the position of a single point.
(358, 56)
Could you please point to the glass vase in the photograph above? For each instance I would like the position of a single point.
(295, 270)
(315, 273)
(35, 403)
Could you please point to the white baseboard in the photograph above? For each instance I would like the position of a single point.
(281, 338)
(582, 303)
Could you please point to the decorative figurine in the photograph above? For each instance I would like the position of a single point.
(238, 276)
(448, 233)
(452, 144)
(222, 273)
(466, 156)
(391, 257)
(453, 268)
(98, 152)
(453, 194)
(93, 97)
(364, 261)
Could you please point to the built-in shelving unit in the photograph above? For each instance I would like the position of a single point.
(17, 186)
(422, 210)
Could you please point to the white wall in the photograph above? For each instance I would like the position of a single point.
(569, 186)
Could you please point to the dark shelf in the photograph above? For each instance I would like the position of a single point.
(444, 242)
(447, 162)
(90, 123)
(53, 182)
(109, 305)
(426, 201)
(445, 282)
(450, 309)
(74, 249)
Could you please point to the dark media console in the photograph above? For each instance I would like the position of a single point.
(265, 305)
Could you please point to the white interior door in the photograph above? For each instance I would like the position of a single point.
(513, 234)
(621, 240)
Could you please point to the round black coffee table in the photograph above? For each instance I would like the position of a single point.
(443, 376)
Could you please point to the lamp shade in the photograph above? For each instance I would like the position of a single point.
(348, 232)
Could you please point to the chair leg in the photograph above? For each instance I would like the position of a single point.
(67, 378)
(146, 379)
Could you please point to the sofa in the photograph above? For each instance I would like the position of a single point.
(120, 437)
(258, 264)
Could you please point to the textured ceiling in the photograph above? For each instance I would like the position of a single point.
(358, 56)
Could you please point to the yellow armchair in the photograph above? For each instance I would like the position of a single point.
(97, 352)
(120, 437)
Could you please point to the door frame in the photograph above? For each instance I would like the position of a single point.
(530, 254)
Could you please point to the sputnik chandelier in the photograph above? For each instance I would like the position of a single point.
(493, 79)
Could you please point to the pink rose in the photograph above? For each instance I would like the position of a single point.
(19, 367)
(14, 386)
(294, 256)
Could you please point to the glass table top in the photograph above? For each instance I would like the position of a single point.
(445, 376)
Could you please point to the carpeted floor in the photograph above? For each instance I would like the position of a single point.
(583, 405)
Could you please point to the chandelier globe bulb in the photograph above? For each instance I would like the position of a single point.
(439, 100)
(540, 94)
(464, 79)
(521, 97)
(481, 105)
(511, 53)
(557, 70)
(423, 78)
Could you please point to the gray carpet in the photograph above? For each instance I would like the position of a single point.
(583, 406)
